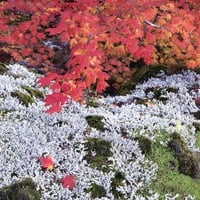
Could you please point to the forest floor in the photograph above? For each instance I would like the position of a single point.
(144, 145)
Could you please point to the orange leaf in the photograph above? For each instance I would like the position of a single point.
(46, 163)
(191, 64)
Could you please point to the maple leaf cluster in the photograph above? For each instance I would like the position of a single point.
(103, 38)
(47, 163)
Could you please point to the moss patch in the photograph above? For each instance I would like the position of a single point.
(196, 114)
(139, 72)
(146, 72)
(172, 90)
(160, 93)
(115, 183)
(23, 98)
(197, 126)
(198, 138)
(3, 68)
(33, 92)
(95, 121)
(24, 190)
(186, 159)
(125, 88)
(92, 103)
(98, 152)
(141, 101)
(96, 191)
(145, 144)
(169, 179)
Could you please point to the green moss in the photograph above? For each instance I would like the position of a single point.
(157, 93)
(169, 179)
(3, 113)
(92, 102)
(117, 181)
(145, 144)
(24, 190)
(95, 121)
(98, 152)
(172, 90)
(146, 72)
(23, 98)
(140, 73)
(177, 144)
(186, 159)
(197, 70)
(198, 138)
(33, 92)
(96, 191)
(196, 114)
(141, 101)
(197, 126)
(126, 88)
(3, 68)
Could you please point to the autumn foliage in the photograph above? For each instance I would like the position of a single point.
(97, 40)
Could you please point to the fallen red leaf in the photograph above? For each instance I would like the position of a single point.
(68, 182)
(46, 162)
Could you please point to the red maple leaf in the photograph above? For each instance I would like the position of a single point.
(68, 181)
(46, 162)
(55, 98)
(26, 51)
(47, 80)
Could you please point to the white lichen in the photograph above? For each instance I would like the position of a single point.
(26, 133)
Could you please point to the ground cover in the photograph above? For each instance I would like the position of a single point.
(119, 147)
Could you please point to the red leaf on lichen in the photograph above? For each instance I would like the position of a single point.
(68, 181)
(46, 162)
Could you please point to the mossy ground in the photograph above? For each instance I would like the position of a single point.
(116, 182)
(97, 191)
(98, 152)
(169, 179)
(25, 99)
(141, 73)
(3, 68)
(28, 97)
(33, 92)
(198, 138)
(24, 190)
(95, 121)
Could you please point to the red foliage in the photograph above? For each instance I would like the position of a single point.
(46, 162)
(104, 37)
(68, 181)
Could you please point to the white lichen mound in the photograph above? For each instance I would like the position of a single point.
(27, 133)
